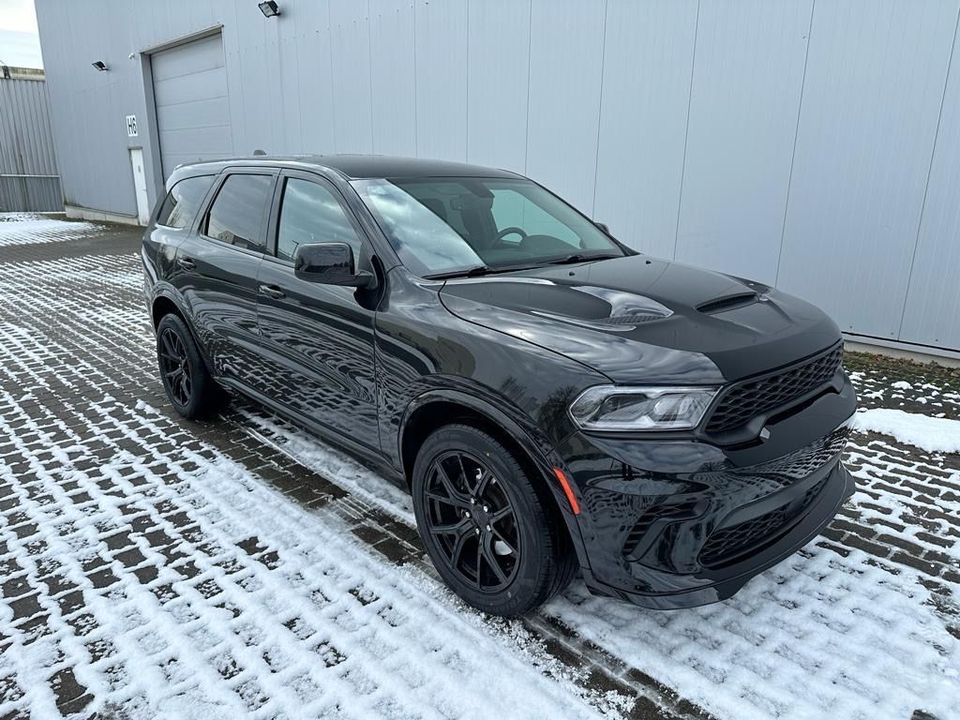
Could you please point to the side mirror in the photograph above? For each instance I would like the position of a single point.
(330, 263)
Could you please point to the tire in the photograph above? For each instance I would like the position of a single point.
(459, 463)
(186, 380)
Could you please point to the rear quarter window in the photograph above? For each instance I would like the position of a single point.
(183, 201)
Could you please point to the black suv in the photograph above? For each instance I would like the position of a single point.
(552, 399)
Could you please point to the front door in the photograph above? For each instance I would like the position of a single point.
(317, 338)
(217, 273)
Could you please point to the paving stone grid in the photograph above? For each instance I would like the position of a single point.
(104, 493)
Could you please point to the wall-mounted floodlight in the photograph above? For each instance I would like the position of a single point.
(269, 8)
(100, 65)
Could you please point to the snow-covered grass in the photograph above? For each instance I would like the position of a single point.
(932, 434)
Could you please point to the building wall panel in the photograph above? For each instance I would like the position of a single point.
(743, 120)
(648, 56)
(350, 50)
(499, 42)
(393, 77)
(875, 80)
(566, 59)
(441, 81)
(932, 310)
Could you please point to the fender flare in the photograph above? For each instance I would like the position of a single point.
(168, 292)
(540, 452)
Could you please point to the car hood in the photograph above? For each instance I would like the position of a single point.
(638, 319)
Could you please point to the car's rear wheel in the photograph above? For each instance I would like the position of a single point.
(490, 532)
(189, 386)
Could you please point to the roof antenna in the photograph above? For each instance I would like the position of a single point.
(258, 152)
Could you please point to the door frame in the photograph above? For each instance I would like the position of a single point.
(142, 194)
(273, 220)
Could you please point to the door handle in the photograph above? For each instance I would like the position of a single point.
(186, 263)
(272, 291)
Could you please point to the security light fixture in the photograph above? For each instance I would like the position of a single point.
(100, 65)
(269, 8)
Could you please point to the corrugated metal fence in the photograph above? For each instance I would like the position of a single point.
(29, 179)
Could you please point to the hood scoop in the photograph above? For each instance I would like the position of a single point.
(609, 310)
(728, 302)
(616, 323)
(633, 318)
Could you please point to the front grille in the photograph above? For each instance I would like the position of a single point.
(746, 400)
(726, 546)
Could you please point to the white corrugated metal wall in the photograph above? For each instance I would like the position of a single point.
(29, 179)
(807, 143)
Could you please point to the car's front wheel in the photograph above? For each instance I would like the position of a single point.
(186, 380)
(489, 530)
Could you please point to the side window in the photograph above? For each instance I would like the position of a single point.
(183, 201)
(236, 215)
(511, 209)
(310, 214)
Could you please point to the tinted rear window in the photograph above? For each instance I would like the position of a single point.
(236, 216)
(182, 202)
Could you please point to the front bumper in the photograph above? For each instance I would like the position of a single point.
(679, 523)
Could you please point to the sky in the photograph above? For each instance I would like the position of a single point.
(19, 40)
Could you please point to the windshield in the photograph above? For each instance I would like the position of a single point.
(443, 226)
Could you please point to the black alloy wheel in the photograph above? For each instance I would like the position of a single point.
(191, 389)
(175, 366)
(489, 523)
(473, 521)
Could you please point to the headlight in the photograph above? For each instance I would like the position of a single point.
(610, 407)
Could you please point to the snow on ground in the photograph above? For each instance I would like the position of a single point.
(174, 569)
(330, 462)
(31, 228)
(932, 434)
(321, 629)
(820, 634)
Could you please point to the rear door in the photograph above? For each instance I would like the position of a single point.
(217, 269)
(317, 338)
(173, 222)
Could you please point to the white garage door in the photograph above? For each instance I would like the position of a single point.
(193, 112)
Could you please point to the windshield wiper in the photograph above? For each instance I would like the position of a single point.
(479, 270)
(475, 271)
(581, 257)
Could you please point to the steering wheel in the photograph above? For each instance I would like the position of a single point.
(509, 231)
